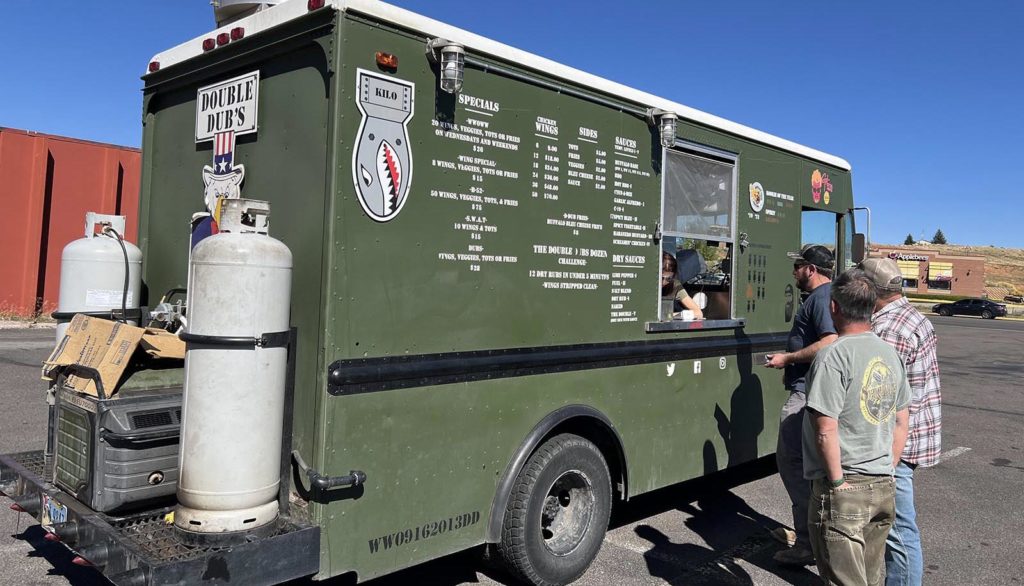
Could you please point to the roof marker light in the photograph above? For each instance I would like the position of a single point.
(315, 4)
(223, 39)
(209, 44)
(237, 33)
(154, 66)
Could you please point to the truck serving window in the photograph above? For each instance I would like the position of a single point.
(698, 231)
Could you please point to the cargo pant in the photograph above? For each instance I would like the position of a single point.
(848, 528)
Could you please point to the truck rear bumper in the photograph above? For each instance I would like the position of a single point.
(142, 549)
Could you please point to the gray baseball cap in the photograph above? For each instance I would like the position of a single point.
(884, 273)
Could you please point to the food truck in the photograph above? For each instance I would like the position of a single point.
(419, 278)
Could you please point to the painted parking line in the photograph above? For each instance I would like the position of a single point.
(950, 454)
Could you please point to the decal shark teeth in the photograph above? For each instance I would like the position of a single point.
(389, 171)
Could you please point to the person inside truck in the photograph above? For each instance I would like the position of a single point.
(672, 288)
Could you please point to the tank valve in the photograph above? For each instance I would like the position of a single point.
(322, 482)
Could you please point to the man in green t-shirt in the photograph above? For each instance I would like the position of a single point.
(855, 427)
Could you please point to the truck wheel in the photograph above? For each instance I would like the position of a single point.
(558, 512)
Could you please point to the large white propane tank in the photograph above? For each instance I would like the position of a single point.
(92, 271)
(232, 411)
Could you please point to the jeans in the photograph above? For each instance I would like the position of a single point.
(904, 563)
(789, 455)
(849, 527)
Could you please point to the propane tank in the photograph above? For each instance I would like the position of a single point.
(233, 406)
(92, 271)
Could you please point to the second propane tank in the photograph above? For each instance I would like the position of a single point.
(232, 412)
(92, 271)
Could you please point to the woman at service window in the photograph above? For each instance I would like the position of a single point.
(672, 288)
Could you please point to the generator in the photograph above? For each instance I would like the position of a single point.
(118, 453)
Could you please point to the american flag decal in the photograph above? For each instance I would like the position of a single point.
(223, 152)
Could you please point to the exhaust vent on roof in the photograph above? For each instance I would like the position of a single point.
(227, 11)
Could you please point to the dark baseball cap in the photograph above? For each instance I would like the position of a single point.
(814, 254)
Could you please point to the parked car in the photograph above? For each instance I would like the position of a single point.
(1014, 298)
(983, 307)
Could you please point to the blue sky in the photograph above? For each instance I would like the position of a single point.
(923, 98)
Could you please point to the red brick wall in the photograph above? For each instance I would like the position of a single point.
(968, 271)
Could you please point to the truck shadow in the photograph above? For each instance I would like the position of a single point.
(59, 558)
(728, 529)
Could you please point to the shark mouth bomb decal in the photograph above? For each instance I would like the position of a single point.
(382, 161)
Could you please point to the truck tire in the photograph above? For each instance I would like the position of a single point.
(558, 512)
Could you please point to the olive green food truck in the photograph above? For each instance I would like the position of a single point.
(435, 293)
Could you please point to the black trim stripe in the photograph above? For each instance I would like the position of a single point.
(368, 375)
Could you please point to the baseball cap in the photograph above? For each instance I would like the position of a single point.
(814, 254)
(884, 273)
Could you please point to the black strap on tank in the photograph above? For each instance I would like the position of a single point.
(267, 340)
(133, 314)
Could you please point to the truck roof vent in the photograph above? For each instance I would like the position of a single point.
(226, 11)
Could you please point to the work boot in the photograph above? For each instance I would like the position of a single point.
(784, 535)
(794, 556)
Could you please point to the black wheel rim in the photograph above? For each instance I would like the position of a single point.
(567, 512)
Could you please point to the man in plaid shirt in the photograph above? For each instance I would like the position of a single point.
(911, 334)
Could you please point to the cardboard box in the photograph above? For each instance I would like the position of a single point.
(102, 344)
(162, 344)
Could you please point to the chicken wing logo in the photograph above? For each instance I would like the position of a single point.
(878, 392)
(756, 197)
(821, 186)
(382, 160)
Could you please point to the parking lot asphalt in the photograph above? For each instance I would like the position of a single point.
(710, 531)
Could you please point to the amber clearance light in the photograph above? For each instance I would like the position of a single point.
(387, 61)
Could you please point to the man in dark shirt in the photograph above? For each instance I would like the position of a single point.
(812, 330)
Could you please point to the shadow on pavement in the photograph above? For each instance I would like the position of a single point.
(730, 530)
(59, 557)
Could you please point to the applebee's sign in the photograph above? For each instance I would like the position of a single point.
(901, 256)
(227, 106)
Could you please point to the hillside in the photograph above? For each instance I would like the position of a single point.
(1004, 267)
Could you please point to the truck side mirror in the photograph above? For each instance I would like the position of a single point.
(859, 252)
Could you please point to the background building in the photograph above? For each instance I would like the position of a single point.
(929, 271)
(47, 184)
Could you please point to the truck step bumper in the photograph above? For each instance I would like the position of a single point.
(142, 549)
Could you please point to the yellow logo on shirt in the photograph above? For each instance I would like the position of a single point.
(878, 392)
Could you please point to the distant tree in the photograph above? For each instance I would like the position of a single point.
(909, 240)
(939, 237)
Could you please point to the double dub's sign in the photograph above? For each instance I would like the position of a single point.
(228, 106)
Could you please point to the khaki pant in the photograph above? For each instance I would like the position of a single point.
(848, 528)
